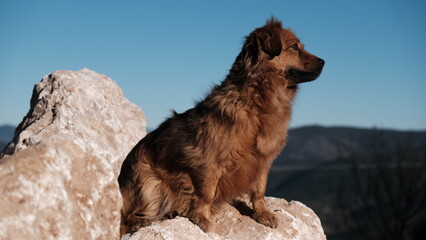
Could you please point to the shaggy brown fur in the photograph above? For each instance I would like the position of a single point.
(224, 146)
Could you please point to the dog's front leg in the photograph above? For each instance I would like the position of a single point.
(261, 212)
(201, 213)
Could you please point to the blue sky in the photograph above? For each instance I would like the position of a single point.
(167, 54)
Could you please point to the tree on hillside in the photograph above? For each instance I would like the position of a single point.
(386, 196)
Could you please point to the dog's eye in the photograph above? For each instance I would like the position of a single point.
(295, 46)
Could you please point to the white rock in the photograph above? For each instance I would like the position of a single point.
(295, 222)
(87, 105)
(61, 181)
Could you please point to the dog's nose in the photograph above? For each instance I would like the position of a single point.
(321, 62)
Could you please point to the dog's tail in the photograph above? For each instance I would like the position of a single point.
(151, 192)
(146, 195)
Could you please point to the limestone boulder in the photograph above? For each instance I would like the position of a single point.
(58, 177)
(295, 222)
(84, 104)
(58, 189)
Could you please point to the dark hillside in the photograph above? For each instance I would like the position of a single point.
(6, 135)
(317, 168)
(316, 144)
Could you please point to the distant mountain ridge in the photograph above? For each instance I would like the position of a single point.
(6, 135)
(317, 144)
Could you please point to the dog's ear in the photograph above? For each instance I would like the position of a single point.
(269, 37)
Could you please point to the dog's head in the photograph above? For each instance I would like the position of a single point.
(279, 49)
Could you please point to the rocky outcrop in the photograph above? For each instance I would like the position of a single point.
(86, 105)
(295, 221)
(60, 182)
(58, 177)
(58, 189)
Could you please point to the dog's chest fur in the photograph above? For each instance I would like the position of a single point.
(252, 130)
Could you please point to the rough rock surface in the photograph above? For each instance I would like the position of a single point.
(295, 222)
(60, 182)
(57, 189)
(86, 105)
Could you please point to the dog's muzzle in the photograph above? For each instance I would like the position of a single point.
(299, 76)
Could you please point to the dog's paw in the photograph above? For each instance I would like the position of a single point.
(124, 229)
(266, 218)
(202, 222)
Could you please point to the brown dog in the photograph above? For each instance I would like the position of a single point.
(224, 146)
